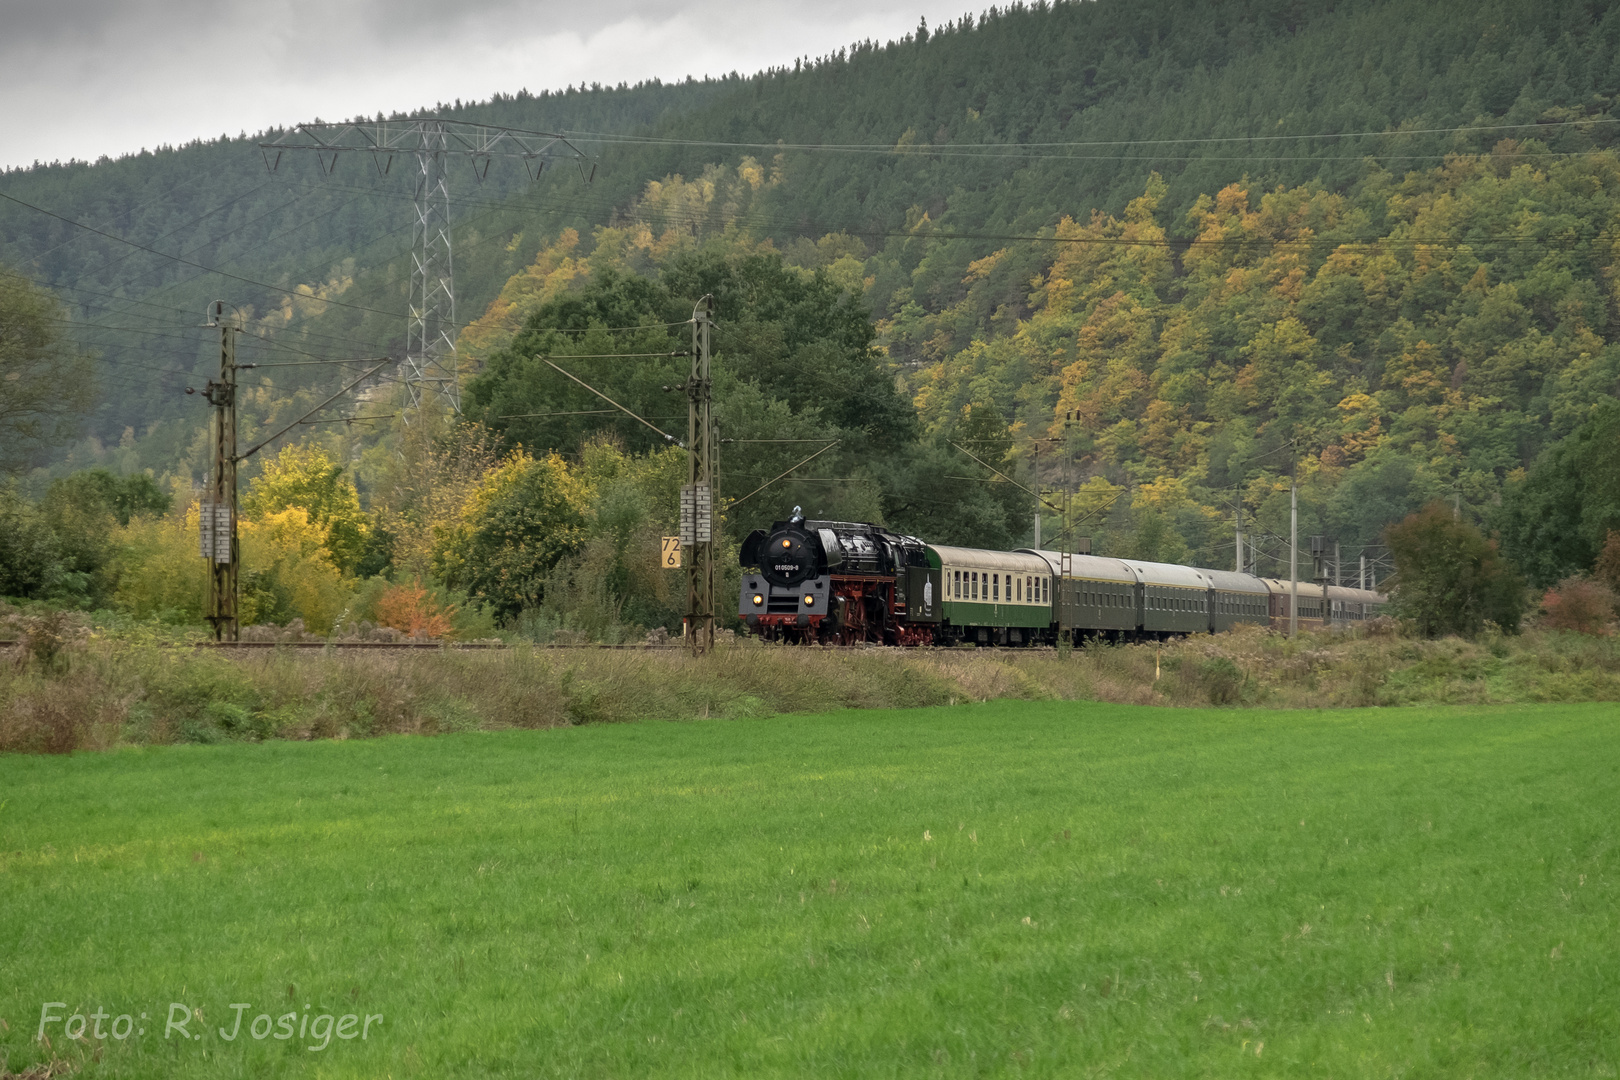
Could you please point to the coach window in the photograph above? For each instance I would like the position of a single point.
(1018, 590)
(974, 585)
(995, 585)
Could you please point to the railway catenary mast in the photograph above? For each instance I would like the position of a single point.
(698, 497)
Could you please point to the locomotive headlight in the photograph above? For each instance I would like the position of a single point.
(787, 543)
(758, 599)
(809, 601)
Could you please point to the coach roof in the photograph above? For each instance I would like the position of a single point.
(1087, 567)
(1232, 581)
(1158, 573)
(981, 559)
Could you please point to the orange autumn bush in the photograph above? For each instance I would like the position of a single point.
(414, 610)
(1580, 604)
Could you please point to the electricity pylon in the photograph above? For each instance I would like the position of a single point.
(431, 364)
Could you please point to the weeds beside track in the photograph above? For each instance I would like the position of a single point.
(106, 691)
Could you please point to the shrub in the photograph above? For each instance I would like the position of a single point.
(1223, 680)
(159, 572)
(1449, 579)
(287, 572)
(517, 523)
(31, 562)
(1579, 604)
(415, 611)
(1607, 568)
(48, 638)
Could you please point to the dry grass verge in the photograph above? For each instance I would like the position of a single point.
(104, 692)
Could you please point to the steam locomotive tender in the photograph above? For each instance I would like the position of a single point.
(837, 583)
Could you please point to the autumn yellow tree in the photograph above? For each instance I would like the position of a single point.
(517, 523)
(305, 476)
(288, 572)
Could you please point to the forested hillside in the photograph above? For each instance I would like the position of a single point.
(1174, 250)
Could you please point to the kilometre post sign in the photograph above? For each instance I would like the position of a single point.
(671, 557)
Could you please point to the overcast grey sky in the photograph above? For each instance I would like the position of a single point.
(82, 78)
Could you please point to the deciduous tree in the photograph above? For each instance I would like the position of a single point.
(519, 521)
(45, 384)
(306, 477)
(1449, 579)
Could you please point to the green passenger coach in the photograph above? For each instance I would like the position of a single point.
(992, 597)
(1098, 596)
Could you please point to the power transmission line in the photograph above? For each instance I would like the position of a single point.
(428, 142)
(612, 139)
(189, 262)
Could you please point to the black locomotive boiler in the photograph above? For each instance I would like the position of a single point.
(836, 583)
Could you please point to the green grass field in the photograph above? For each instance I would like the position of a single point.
(1015, 888)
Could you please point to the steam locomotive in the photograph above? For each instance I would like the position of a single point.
(837, 583)
(843, 583)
